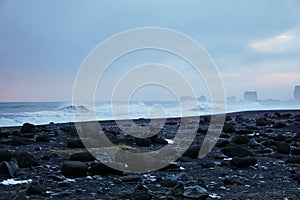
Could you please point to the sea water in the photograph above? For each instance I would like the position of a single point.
(18, 113)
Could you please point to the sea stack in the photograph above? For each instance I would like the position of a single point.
(250, 96)
(297, 93)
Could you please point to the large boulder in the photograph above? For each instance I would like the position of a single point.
(243, 162)
(74, 169)
(236, 151)
(25, 159)
(5, 155)
(28, 128)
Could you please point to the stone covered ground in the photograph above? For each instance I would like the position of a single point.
(256, 157)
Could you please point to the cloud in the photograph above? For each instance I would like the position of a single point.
(286, 42)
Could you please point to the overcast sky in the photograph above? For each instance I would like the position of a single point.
(255, 44)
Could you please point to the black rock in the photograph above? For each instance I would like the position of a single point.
(296, 151)
(5, 155)
(240, 139)
(130, 178)
(293, 160)
(192, 152)
(261, 121)
(283, 147)
(25, 159)
(279, 125)
(244, 132)
(195, 192)
(28, 128)
(42, 138)
(68, 129)
(222, 143)
(143, 142)
(228, 128)
(168, 183)
(83, 157)
(236, 151)
(8, 169)
(75, 144)
(102, 169)
(34, 190)
(74, 169)
(243, 162)
(19, 141)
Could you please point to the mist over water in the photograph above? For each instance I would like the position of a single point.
(16, 114)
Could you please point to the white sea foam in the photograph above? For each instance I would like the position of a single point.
(15, 114)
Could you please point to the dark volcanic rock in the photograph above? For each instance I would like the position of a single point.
(262, 121)
(75, 144)
(74, 169)
(283, 147)
(19, 141)
(240, 139)
(279, 125)
(34, 190)
(236, 151)
(228, 128)
(244, 132)
(192, 152)
(68, 129)
(222, 143)
(195, 192)
(42, 138)
(8, 169)
(82, 156)
(168, 183)
(28, 128)
(25, 159)
(243, 162)
(5, 155)
(293, 160)
(102, 169)
(296, 151)
(143, 142)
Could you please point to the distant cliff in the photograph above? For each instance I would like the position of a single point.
(297, 93)
(250, 96)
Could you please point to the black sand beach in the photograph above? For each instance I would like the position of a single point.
(256, 157)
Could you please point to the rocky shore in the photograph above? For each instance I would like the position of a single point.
(256, 157)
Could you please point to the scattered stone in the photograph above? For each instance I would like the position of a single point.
(82, 156)
(19, 141)
(75, 144)
(192, 152)
(243, 162)
(253, 143)
(102, 169)
(293, 160)
(296, 151)
(262, 121)
(195, 192)
(28, 128)
(25, 159)
(74, 169)
(34, 190)
(42, 138)
(168, 183)
(283, 147)
(244, 132)
(279, 125)
(222, 143)
(143, 142)
(178, 190)
(130, 178)
(68, 129)
(5, 155)
(228, 128)
(236, 151)
(8, 169)
(240, 139)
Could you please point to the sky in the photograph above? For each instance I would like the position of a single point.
(255, 44)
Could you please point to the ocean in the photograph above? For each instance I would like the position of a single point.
(18, 113)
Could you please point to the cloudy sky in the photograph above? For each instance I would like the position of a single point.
(255, 44)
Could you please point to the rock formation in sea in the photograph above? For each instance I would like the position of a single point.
(250, 96)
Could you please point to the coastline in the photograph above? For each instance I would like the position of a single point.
(256, 157)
